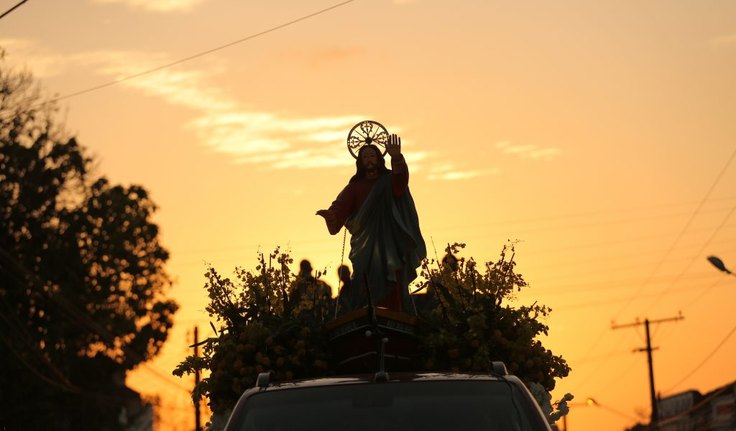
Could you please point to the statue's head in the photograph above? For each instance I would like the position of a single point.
(369, 159)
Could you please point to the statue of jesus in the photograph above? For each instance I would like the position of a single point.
(386, 244)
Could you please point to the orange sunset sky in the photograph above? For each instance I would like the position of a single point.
(599, 134)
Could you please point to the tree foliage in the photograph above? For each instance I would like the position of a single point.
(466, 322)
(82, 297)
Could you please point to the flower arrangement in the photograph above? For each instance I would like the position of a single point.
(272, 320)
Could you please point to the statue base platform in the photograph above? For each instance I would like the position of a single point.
(355, 339)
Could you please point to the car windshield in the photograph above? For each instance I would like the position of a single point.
(408, 406)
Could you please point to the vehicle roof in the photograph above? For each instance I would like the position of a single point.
(393, 377)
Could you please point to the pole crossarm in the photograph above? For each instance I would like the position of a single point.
(639, 322)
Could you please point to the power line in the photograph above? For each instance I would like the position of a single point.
(12, 9)
(682, 232)
(549, 286)
(672, 247)
(579, 362)
(697, 255)
(164, 378)
(16, 327)
(601, 288)
(594, 212)
(710, 355)
(618, 269)
(601, 363)
(78, 317)
(614, 411)
(609, 301)
(326, 242)
(702, 294)
(634, 239)
(60, 382)
(575, 215)
(199, 54)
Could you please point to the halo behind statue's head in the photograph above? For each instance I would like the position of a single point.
(367, 132)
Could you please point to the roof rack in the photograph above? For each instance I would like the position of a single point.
(263, 380)
(499, 368)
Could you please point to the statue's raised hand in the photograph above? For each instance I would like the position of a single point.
(393, 146)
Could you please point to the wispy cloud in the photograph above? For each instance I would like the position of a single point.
(157, 5)
(186, 88)
(278, 141)
(221, 122)
(723, 42)
(528, 151)
(36, 58)
(271, 140)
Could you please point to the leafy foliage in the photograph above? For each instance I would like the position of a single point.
(82, 270)
(269, 320)
(466, 323)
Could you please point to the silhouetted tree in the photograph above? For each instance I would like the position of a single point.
(82, 278)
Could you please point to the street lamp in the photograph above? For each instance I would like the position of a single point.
(718, 263)
(587, 403)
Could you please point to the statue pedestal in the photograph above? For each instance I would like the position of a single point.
(355, 339)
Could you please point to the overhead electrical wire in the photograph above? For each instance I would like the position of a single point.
(689, 304)
(706, 359)
(695, 213)
(609, 301)
(537, 227)
(12, 9)
(702, 294)
(696, 256)
(669, 288)
(199, 54)
(682, 232)
(77, 316)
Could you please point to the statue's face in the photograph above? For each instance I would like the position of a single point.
(368, 158)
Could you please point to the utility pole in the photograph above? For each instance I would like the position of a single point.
(197, 420)
(652, 393)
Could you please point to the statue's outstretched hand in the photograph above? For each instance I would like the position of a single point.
(327, 215)
(393, 146)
